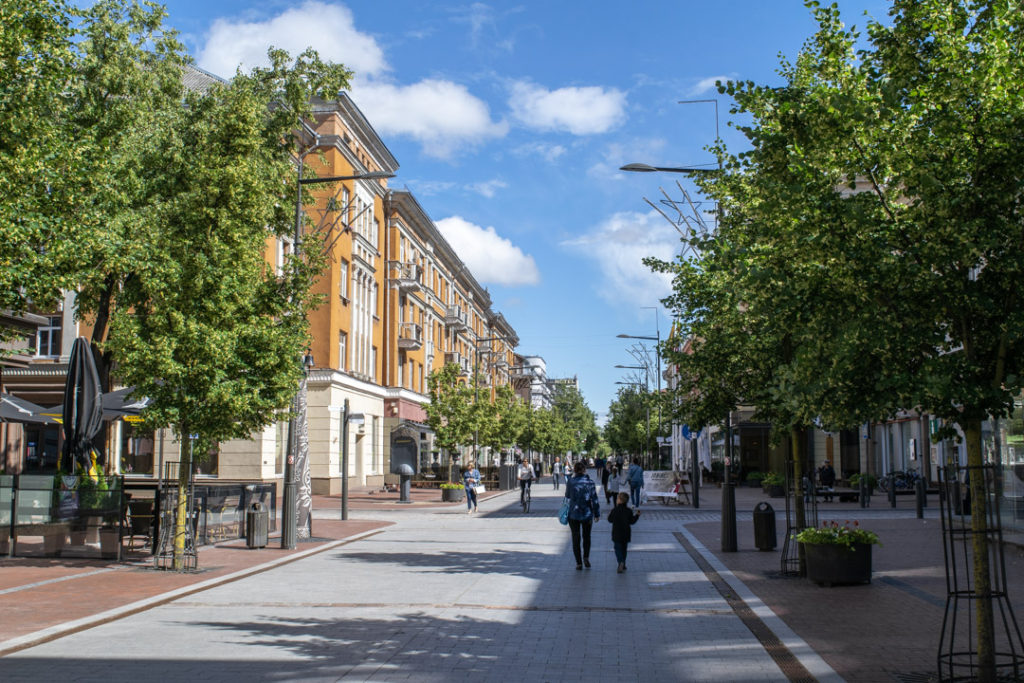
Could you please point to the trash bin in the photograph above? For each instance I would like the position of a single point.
(764, 527)
(257, 526)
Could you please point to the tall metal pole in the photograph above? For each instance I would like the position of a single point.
(344, 461)
(694, 474)
(728, 494)
(289, 508)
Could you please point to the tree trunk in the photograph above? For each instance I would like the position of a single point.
(181, 511)
(982, 573)
(798, 481)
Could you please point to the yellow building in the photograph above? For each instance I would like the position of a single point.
(439, 314)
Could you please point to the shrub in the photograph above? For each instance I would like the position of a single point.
(830, 533)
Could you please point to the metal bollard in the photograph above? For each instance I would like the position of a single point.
(919, 501)
(892, 490)
(862, 491)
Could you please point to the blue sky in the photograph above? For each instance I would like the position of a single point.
(510, 122)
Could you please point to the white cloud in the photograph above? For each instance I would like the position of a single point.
(488, 188)
(580, 111)
(619, 245)
(491, 258)
(441, 115)
(329, 29)
(706, 84)
(549, 153)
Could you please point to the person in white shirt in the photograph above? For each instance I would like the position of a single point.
(525, 474)
(556, 472)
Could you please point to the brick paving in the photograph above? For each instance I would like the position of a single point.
(445, 594)
(888, 630)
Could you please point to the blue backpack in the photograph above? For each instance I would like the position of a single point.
(583, 501)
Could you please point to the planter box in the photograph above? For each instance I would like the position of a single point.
(830, 565)
(775, 491)
(452, 495)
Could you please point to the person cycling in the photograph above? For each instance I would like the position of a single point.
(526, 477)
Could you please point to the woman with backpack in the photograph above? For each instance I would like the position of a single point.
(584, 510)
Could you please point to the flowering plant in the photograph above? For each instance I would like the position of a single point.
(451, 485)
(830, 533)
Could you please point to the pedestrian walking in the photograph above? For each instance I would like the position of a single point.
(622, 520)
(470, 480)
(827, 477)
(584, 510)
(606, 472)
(556, 473)
(525, 475)
(635, 477)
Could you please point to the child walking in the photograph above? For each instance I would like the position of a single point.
(622, 518)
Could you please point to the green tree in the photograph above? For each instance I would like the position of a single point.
(40, 164)
(578, 424)
(450, 412)
(869, 244)
(506, 418)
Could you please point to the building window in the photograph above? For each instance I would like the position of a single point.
(343, 280)
(207, 465)
(48, 337)
(136, 450)
(342, 351)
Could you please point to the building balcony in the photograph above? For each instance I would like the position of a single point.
(457, 358)
(455, 318)
(410, 277)
(410, 336)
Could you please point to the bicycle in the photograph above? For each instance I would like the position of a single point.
(901, 481)
(526, 499)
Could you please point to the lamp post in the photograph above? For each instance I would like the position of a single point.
(657, 356)
(477, 354)
(298, 429)
(728, 532)
(346, 418)
(647, 406)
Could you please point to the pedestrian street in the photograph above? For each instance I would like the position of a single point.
(444, 595)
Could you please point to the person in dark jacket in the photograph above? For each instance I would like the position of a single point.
(622, 518)
(584, 510)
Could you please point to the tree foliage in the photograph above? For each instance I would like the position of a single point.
(450, 411)
(39, 162)
(868, 251)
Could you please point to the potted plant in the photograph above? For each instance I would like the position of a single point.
(838, 554)
(774, 485)
(754, 479)
(451, 492)
(870, 481)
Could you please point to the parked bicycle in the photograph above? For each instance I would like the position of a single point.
(899, 480)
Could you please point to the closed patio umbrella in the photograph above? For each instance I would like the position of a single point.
(83, 406)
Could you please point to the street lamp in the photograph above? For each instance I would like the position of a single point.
(647, 405)
(477, 355)
(298, 428)
(346, 419)
(647, 168)
(728, 532)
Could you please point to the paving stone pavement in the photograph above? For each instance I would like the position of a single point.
(443, 595)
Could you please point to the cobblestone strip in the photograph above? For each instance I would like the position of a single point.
(791, 666)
